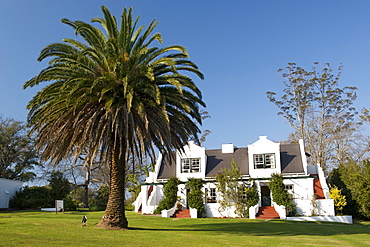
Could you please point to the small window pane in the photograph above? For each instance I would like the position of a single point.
(264, 161)
(211, 196)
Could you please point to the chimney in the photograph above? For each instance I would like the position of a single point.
(228, 148)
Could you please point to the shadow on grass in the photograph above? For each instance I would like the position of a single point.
(265, 228)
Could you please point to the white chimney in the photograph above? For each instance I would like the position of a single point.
(228, 148)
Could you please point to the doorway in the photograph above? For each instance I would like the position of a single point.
(265, 196)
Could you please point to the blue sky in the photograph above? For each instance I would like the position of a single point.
(238, 45)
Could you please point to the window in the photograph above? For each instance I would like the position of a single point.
(190, 165)
(289, 188)
(264, 161)
(211, 196)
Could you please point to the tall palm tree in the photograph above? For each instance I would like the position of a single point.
(114, 94)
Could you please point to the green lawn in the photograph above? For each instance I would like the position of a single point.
(31, 228)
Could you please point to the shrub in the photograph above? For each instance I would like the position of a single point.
(339, 199)
(195, 194)
(100, 201)
(170, 195)
(32, 197)
(280, 195)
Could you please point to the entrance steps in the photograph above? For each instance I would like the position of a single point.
(267, 213)
(182, 213)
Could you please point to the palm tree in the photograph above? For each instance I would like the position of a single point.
(113, 94)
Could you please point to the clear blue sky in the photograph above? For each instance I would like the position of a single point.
(238, 45)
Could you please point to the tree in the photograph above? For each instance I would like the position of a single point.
(101, 199)
(60, 186)
(233, 191)
(17, 152)
(335, 179)
(114, 95)
(356, 177)
(321, 113)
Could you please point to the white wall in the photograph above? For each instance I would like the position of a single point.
(323, 207)
(191, 151)
(7, 190)
(302, 187)
(264, 146)
(148, 204)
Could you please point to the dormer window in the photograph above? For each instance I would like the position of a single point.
(263, 161)
(190, 165)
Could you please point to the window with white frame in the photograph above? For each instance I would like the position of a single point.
(262, 161)
(190, 165)
(290, 189)
(211, 196)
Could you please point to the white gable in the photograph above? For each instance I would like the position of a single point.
(191, 151)
(264, 146)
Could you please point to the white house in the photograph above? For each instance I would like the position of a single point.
(7, 190)
(259, 160)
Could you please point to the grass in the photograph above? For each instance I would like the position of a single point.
(35, 228)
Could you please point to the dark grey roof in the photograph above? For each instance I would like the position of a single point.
(217, 161)
(168, 168)
(290, 156)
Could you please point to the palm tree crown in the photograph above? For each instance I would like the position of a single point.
(113, 94)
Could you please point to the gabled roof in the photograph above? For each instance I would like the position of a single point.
(217, 161)
(290, 157)
(167, 168)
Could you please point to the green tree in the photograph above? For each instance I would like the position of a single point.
(60, 186)
(234, 192)
(116, 95)
(335, 179)
(100, 201)
(320, 112)
(356, 177)
(17, 152)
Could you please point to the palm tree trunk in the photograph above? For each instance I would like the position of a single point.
(115, 217)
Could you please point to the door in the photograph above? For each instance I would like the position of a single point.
(265, 196)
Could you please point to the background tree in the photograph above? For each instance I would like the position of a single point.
(321, 113)
(59, 185)
(114, 95)
(356, 178)
(99, 202)
(335, 179)
(17, 153)
(45, 196)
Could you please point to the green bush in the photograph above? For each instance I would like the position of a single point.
(280, 195)
(170, 195)
(32, 197)
(70, 204)
(195, 194)
(100, 201)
